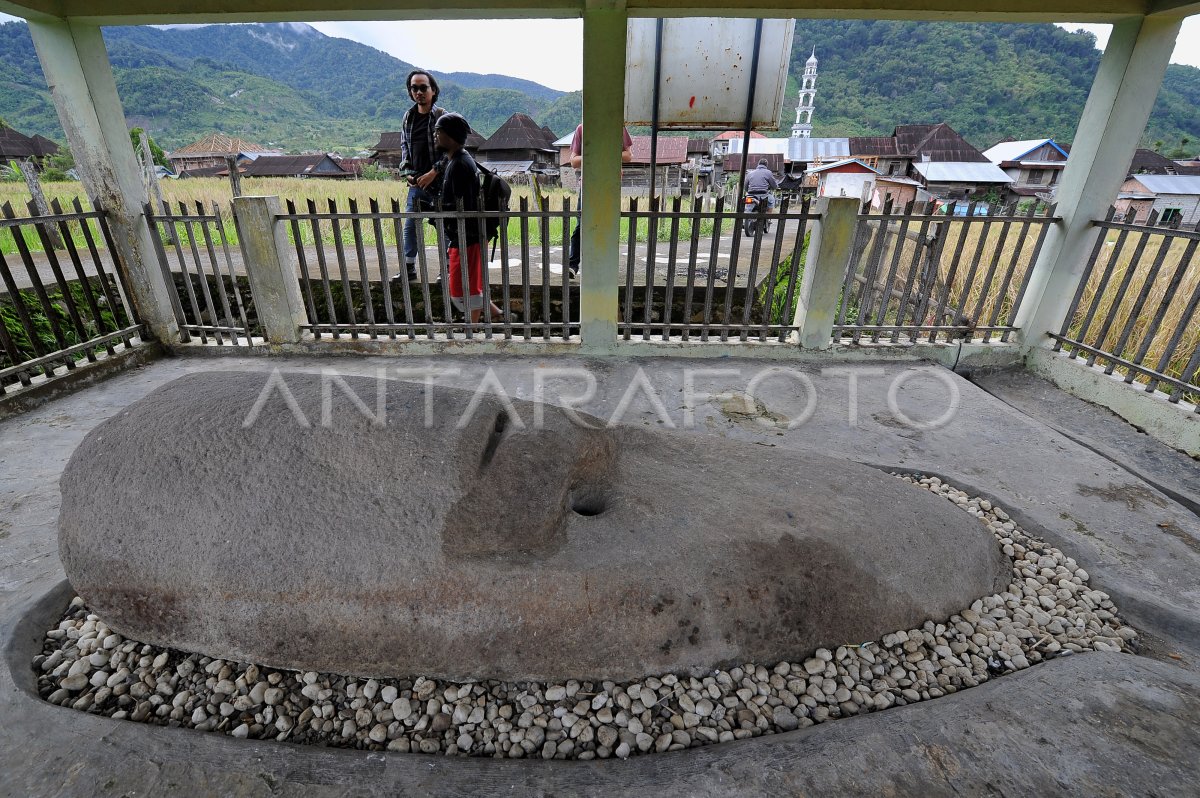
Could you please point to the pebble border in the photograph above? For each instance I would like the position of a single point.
(1048, 611)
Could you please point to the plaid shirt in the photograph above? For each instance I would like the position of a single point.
(410, 119)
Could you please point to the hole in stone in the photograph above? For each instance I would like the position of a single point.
(489, 451)
(588, 502)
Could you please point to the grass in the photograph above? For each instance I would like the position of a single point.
(343, 194)
(1110, 320)
(977, 302)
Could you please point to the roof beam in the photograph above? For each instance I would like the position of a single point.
(1173, 8)
(140, 12)
(37, 10)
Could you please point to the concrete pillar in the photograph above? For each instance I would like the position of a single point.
(1114, 118)
(271, 268)
(830, 246)
(81, 81)
(604, 35)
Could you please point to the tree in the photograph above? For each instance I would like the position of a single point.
(156, 152)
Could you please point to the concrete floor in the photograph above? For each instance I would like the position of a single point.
(1094, 724)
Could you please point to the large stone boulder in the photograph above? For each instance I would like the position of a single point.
(488, 548)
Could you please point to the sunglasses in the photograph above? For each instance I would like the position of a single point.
(422, 87)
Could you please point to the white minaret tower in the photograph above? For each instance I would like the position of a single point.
(808, 91)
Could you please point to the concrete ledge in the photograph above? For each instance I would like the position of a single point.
(44, 389)
(1176, 425)
(950, 355)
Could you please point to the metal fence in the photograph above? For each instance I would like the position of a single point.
(687, 273)
(51, 320)
(355, 283)
(1136, 308)
(698, 274)
(210, 294)
(958, 272)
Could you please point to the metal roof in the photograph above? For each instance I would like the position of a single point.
(843, 162)
(737, 135)
(762, 146)
(671, 149)
(1170, 184)
(507, 167)
(961, 172)
(821, 149)
(1015, 150)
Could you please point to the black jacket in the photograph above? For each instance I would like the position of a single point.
(460, 181)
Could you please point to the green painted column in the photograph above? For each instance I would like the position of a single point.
(604, 40)
(829, 248)
(77, 69)
(271, 269)
(1114, 118)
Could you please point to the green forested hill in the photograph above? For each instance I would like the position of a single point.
(291, 86)
(285, 84)
(988, 82)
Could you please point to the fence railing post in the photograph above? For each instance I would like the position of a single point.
(75, 62)
(829, 248)
(1114, 118)
(271, 269)
(604, 31)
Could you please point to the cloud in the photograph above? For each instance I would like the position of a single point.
(546, 51)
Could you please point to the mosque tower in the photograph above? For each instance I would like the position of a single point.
(808, 91)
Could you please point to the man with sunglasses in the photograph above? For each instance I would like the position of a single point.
(419, 156)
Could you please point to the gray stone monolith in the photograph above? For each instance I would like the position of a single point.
(373, 544)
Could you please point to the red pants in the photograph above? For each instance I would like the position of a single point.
(474, 276)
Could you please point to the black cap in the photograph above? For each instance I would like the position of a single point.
(454, 126)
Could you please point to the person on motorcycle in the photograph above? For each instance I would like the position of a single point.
(760, 183)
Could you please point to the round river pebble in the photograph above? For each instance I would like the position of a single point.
(1049, 610)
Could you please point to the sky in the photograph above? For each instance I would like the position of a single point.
(548, 51)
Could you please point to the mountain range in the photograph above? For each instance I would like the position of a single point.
(288, 85)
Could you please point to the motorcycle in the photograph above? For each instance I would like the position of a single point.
(755, 204)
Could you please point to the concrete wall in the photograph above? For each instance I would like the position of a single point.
(1176, 425)
(1188, 205)
(846, 184)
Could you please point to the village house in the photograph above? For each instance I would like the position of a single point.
(568, 178)
(932, 159)
(15, 146)
(722, 141)
(312, 165)
(519, 147)
(880, 153)
(892, 191)
(700, 162)
(670, 158)
(1176, 198)
(846, 178)
(212, 150)
(1034, 165)
(386, 152)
